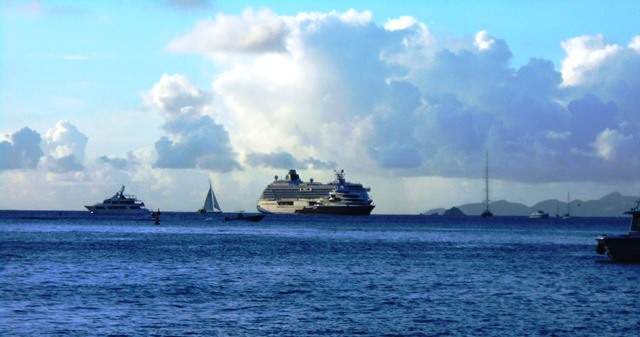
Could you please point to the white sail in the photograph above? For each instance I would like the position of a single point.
(216, 206)
(210, 202)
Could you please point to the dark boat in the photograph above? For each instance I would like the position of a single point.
(241, 217)
(623, 248)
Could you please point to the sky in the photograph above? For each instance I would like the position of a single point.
(406, 96)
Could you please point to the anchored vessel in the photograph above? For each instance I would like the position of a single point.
(626, 247)
(119, 203)
(539, 215)
(293, 196)
(487, 213)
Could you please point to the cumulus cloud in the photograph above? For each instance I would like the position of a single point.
(253, 32)
(65, 148)
(608, 141)
(585, 53)
(194, 139)
(285, 160)
(483, 41)
(21, 150)
(400, 23)
(120, 163)
(343, 89)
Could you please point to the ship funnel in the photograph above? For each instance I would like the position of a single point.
(293, 175)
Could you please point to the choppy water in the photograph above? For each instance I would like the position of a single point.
(65, 274)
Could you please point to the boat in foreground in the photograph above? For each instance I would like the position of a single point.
(210, 203)
(293, 196)
(626, 247)
(119, 204)
(539, 215)
(241, 217)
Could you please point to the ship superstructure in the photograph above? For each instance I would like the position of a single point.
(291, 195)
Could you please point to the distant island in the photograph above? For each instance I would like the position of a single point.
(611, 205)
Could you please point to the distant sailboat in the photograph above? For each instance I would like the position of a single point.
(568, 214)
(210, 202)
(487, 213)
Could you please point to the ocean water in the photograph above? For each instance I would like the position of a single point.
(73, 274)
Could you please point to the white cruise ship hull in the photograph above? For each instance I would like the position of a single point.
(280, 207)
(302, 207)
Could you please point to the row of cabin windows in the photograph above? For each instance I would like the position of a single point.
(128, 202)
(118, 207)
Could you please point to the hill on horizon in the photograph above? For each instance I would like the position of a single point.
(611, 205)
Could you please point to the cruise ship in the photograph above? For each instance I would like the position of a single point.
(120, 204)
(293, 196)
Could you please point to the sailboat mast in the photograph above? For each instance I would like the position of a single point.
(486, 182)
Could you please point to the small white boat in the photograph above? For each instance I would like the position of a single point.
(210, 202)
(120, 204)
(539, 215)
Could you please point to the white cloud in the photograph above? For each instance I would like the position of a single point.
(21, 150)
(285, 160)
(635, 43)
(483, 41)
(194, 139)
(608, 142)
(351, 92)
(65, 147)
(400, 23)
(253, 32)
(584, 54)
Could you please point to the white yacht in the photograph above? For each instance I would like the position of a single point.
(293, 196)
(119, 203)
(539, 215)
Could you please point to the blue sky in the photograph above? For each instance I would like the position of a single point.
(406, 96)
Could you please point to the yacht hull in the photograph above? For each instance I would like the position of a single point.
(94, 210)
(619, 248)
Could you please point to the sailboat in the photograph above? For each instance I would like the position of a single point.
(487, 213)
(568, 214)
(210, 202)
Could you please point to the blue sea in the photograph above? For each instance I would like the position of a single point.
(74, 274)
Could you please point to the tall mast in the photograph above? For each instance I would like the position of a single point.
(487, 213)
(486, 182)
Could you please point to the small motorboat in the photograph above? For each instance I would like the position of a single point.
(241, 217)
(539, 215)
(626, 247)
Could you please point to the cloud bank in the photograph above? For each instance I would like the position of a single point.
(194, 139)
(338, 87)
(65, 146)
(21, 150)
